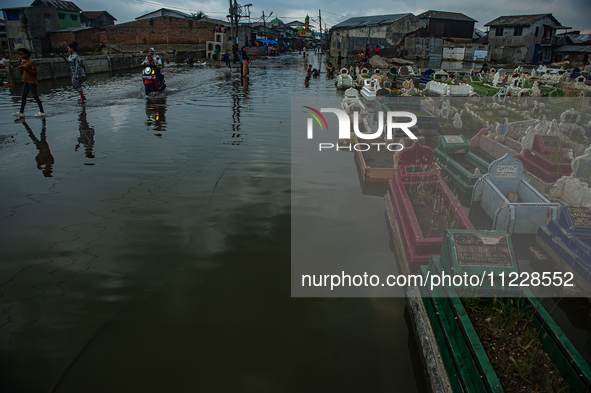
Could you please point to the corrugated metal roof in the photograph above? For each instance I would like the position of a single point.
(73, 29)
(167, 9)
(59, 4)
(520, 20)
(573, 48)
(445, 15)
(95, 14)
(580, 38)
(361, 21)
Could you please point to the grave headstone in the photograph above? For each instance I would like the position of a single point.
(582, 165)
(496, 80)
(570, 116)
(546, 144)
(535, 90)
(502, 129)
(475, 252)
(457, 121)
(504, 82)
(553, 130)
(445, 109)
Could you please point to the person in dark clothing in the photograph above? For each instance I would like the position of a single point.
(367, 51)
(226, 58)
(340, 61)
(28, 70)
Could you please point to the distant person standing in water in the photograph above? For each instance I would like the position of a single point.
(340, 61)
(76, 69)
(27, 68)
(245, 61)
(226, 57)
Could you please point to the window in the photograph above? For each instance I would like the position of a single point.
(537, 30)
(47, 15)
(499, 31)
(61, 16)
(74, 17)
(518, 30)
(12, 15)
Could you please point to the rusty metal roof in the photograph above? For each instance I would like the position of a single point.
(363, 21)
(574, 48)
(59, 4)
(445, 15)
(520, 20)
(96, 14)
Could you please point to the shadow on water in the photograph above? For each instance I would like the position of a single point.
(86, 138)
(44, 158)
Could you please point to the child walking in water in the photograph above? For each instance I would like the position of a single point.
(27, 68)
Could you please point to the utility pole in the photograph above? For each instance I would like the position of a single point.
(320, 24)
(236, 23)
(265, 23)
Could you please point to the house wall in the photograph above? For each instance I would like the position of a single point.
(40, 20)
(518, 49)
(450, 28)
(162, 33)
(67, 18)
(102, 21)
(350, 41)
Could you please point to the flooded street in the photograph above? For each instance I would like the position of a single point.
(145, 245)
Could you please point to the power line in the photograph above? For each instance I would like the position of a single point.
(175, 8)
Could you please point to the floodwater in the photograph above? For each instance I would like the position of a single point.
(145, 245)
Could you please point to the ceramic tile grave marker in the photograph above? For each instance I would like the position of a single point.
(458, 164)
(505, 179)
(540, 162)
(416, 168)
(568, 242)
(475, 252)
(466, 361)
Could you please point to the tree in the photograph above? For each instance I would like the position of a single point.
(199, 15)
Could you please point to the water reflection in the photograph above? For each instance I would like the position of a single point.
(44, 158)
(245, 85)
(156, 114)
(86, 137)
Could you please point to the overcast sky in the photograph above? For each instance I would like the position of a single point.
(572, 13)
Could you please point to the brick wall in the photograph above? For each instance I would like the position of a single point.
(165, 33)
(89, 40)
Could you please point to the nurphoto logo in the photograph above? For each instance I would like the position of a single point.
(393, 121)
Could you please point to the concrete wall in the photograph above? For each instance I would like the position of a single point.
(58, 68)
(350, 41)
